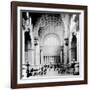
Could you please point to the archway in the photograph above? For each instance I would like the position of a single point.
(51, 49)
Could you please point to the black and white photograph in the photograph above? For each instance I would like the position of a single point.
(50, 43)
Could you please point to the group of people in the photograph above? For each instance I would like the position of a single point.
(61, 69)
(36, 71)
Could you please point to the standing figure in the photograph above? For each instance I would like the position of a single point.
(73, 65)
(27, 71)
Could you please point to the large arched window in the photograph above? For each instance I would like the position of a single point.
(51, 45)
(51, 41)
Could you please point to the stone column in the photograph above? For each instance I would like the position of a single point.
(24, 54)
(37, 54)
(45, 59)
(77, 69)
(23, 58)
(61, 55)
(42, 62)
(69, 51)
(66, 21)
(78, 38)
(48, 59)
(30, 52)
(72, 25)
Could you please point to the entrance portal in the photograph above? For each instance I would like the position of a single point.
(51, 49)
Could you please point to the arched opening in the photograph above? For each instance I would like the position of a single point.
(51, 49)
(51, 41)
